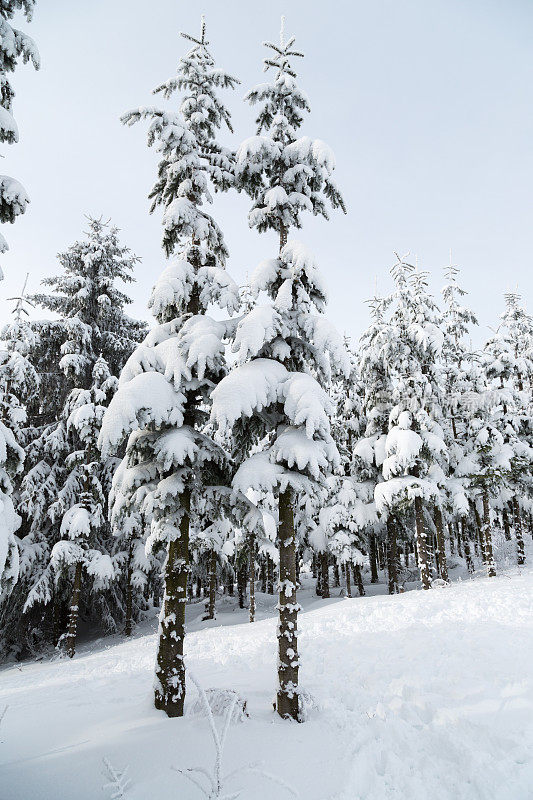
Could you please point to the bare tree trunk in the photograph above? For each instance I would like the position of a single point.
(336, 575)
(170, 668)
(359, 579)
(466, 545)
(421, 544)
(128, 626)
(70, 639)
(287, 697)
(392, 554)
(229, 580)
(374, 577)
(241, 584)
(270, 575)
(459, 541)
(324, 565)
(488, 556)
(251, 567)
(451, 537)
(521, 553)
(348, 579)
(263, 576)
(406, 552)
(212, 585)
(440, 549)
(506, 525)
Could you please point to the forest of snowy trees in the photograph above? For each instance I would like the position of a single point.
(240, 439)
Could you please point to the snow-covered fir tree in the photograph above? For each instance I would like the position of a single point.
(414, 448)
(460, 373)
(74, 356)
(165, 388)
(14, 46)
(276, 397)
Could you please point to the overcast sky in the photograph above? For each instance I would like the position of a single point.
(426, 103)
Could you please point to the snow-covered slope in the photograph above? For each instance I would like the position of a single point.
(421, 695)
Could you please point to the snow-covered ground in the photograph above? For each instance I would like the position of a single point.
(424, 695)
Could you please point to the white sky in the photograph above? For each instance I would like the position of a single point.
(426, 103)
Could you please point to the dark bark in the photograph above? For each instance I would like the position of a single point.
(520, 550)
(170, 667)
(336, 575)
(506, 525)
(70, 639)
(374, 577)
(128, 626)
(241, 584)
(251, 568)
(440, 549)
(212, 585)
(348, 579)
(270, 575)
(392, 555)
(359, 579)
(423, 564)
(287, 696)
(488, 556)
(324, 567)
(466, 544)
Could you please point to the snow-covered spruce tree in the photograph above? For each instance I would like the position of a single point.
(164, 392)
(18, 381)
(509, 369)
(348, 512)
(276, 395)
(460, 376)
(65, 490)
(377, 352)
(414, 448)
(14, 45)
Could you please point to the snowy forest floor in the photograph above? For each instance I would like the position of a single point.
(420, 695)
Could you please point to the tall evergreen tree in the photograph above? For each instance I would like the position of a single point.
(414, 448)
(65, 474)
(273, 397)
(165, 389)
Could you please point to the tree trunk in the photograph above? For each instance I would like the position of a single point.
(128, 626)
(440, 549)
(70, 640)
(324, 567)
(421, 544)
(506, 525)
(251, 567)
(241, 584)
(212, 585)
(488, 556)
(459, 541)
(466, 544)
(336, 575)
(229, 580)
(359, 579)
(287, 697)
(451, 537)
(170, 667)
(270, 575)
(520, 550)
(406, 551)
(374, 577)
(392, 555)
(348, 579)
(263, 576)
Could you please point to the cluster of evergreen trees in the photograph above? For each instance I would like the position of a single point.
(241, 437)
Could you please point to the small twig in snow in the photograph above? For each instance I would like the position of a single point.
(118, 782)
